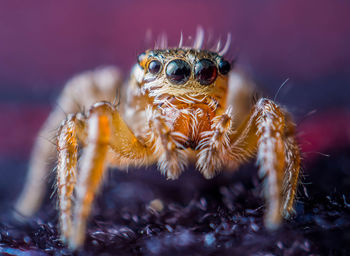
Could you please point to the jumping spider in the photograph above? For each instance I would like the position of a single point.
(180, 105)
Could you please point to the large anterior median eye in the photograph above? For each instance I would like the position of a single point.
(178, 71)
(205, 71)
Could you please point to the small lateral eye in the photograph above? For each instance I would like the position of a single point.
(141, 58)
(154, 67)
(178, 71)
(205, 71)
(224, 67)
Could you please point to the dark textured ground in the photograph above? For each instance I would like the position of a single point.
(218, 217)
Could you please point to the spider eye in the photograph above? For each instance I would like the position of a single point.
(205, 71)
(178, 71)
(224, 67)
(154, 67)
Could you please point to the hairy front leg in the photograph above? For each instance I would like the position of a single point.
(271, 159)
(214, 144)
(291, 176)
(269, 131)
(169, 146)
(106, 130)
(93, 165)
(72, 130)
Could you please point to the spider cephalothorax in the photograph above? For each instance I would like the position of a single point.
(183, 71)
(180, 105)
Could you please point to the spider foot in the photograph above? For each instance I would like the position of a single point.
(172, 164)
(209, 162)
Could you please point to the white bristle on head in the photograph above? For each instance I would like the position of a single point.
(218, 45)
(198, 42)
(199, 39)
(227, 45)
(181, 40)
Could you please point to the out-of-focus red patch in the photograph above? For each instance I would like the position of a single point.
(323, 132)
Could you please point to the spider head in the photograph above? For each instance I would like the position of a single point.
(181, 71)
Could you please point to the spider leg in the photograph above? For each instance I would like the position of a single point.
(290, 182)
(269, 131)
(172, 156)
(92, 169)
(72, 129)
(271, 158)
(81, 91)
(212, 145)
(106, 130)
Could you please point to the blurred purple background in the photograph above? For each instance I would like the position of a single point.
(44, 43)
